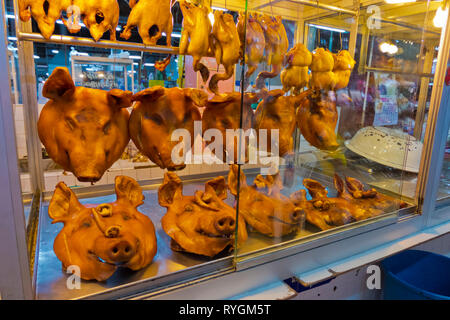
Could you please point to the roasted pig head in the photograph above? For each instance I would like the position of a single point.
(317, 119)
(158, 112)
(223, 112)
(45, 12)
(99, 239)
(152, 17)
(277, 112)
(202, 224)
(262, 205)
(99, 16)
(83, 130)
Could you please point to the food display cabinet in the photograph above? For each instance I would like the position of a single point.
(145, 156)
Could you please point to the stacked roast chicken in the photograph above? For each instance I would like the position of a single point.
(86, 130)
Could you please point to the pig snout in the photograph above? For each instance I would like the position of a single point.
(225, 225)
(121, 251)
(87, 167)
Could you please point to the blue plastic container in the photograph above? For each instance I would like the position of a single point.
(416, 275)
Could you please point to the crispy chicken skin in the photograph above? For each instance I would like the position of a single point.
(295, 76)
(343, 66)
(322, 76)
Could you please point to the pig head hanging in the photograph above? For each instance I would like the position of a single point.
(158, 112)
(100, 239)
(202, 224)
(83, 130)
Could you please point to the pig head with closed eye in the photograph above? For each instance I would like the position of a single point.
(158, 112)
(100, 239)
(83, 130)
(262, 205)
(202, 224)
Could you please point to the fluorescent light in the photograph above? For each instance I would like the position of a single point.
(118, 28)
(398, 1)
(149, 64)
(59, 22)
(440, 18)
(135, 64)
(82, 54)
(55, 51)
(36, 57)
(220, 9)
(12, 38)
(174, 35)
(10, 16)
(135, 57)
(327, 28)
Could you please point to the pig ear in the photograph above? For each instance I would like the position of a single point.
(64, 204)
(170, 190)
(233, 179)
(58, 84)
(150, 93)
(198, 97)
(217, 186)
(120, 99)
(127, 189)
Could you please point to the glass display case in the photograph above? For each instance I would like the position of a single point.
(157, 148)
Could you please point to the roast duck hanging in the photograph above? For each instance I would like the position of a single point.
(84, 130)
(100, 239)
(202, 224)
(157, 113)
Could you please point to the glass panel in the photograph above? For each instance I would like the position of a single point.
(346, 103)
(443, 196)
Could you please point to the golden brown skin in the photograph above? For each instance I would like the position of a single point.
(322, 76)
(195, 37)
(276, 48)
(99, 16)
(45, 12)
(158, 112)
(317, 119)
(263, 206)
(100, 239)
(223, 112)
(277, 111)
(147, 14)
(295, 76)
(254, 41)
(83, 130)
(202, 224)
(343, 66)
(225, 45)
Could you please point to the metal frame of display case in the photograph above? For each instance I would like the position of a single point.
(277, 262)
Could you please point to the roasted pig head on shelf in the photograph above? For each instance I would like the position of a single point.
(84, 130)
(99, 16)
(152, 17)
(317, 119)
(223, 112)
(263, 206)
(202, 224)
(100, 239)
(158, 112)
(45, 12)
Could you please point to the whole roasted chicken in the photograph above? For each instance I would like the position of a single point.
(99, 16)
(202, 224)
(343, 66)
(276, 47)
(322, 76)
(152, 17)
(225, 45)
(295, 76)
(45, 12)
(317, 118)
(254, 41)
(223, 112)
(195, 37)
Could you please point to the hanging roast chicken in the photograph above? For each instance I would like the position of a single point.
(225, 44)
(101, 238)
(195, 37)
(343, 66)
(45, 12)
(84, 130)
(322, 76)
(295, 76)
(160, 111)
(152, 17)
(276, 47)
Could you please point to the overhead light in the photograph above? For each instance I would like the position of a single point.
(135, 57)
(441, 17)
(12, 38)
(10, 16)
(327, 28)
(174, 35)
(55, 51)
(135, 64)
(118, 28)
(149, 64)
(36, 57)
(220, 9)
(83, 54)
(387, 47)
(12, 49)
(398, 1)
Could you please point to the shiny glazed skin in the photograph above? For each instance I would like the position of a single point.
(343, 66)
(295, 76)
(158, 112)
(201, 224)
(263, 207)
(148, 13)
(322, 76)
(83, 130)
(45, 13)
(103, 238)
